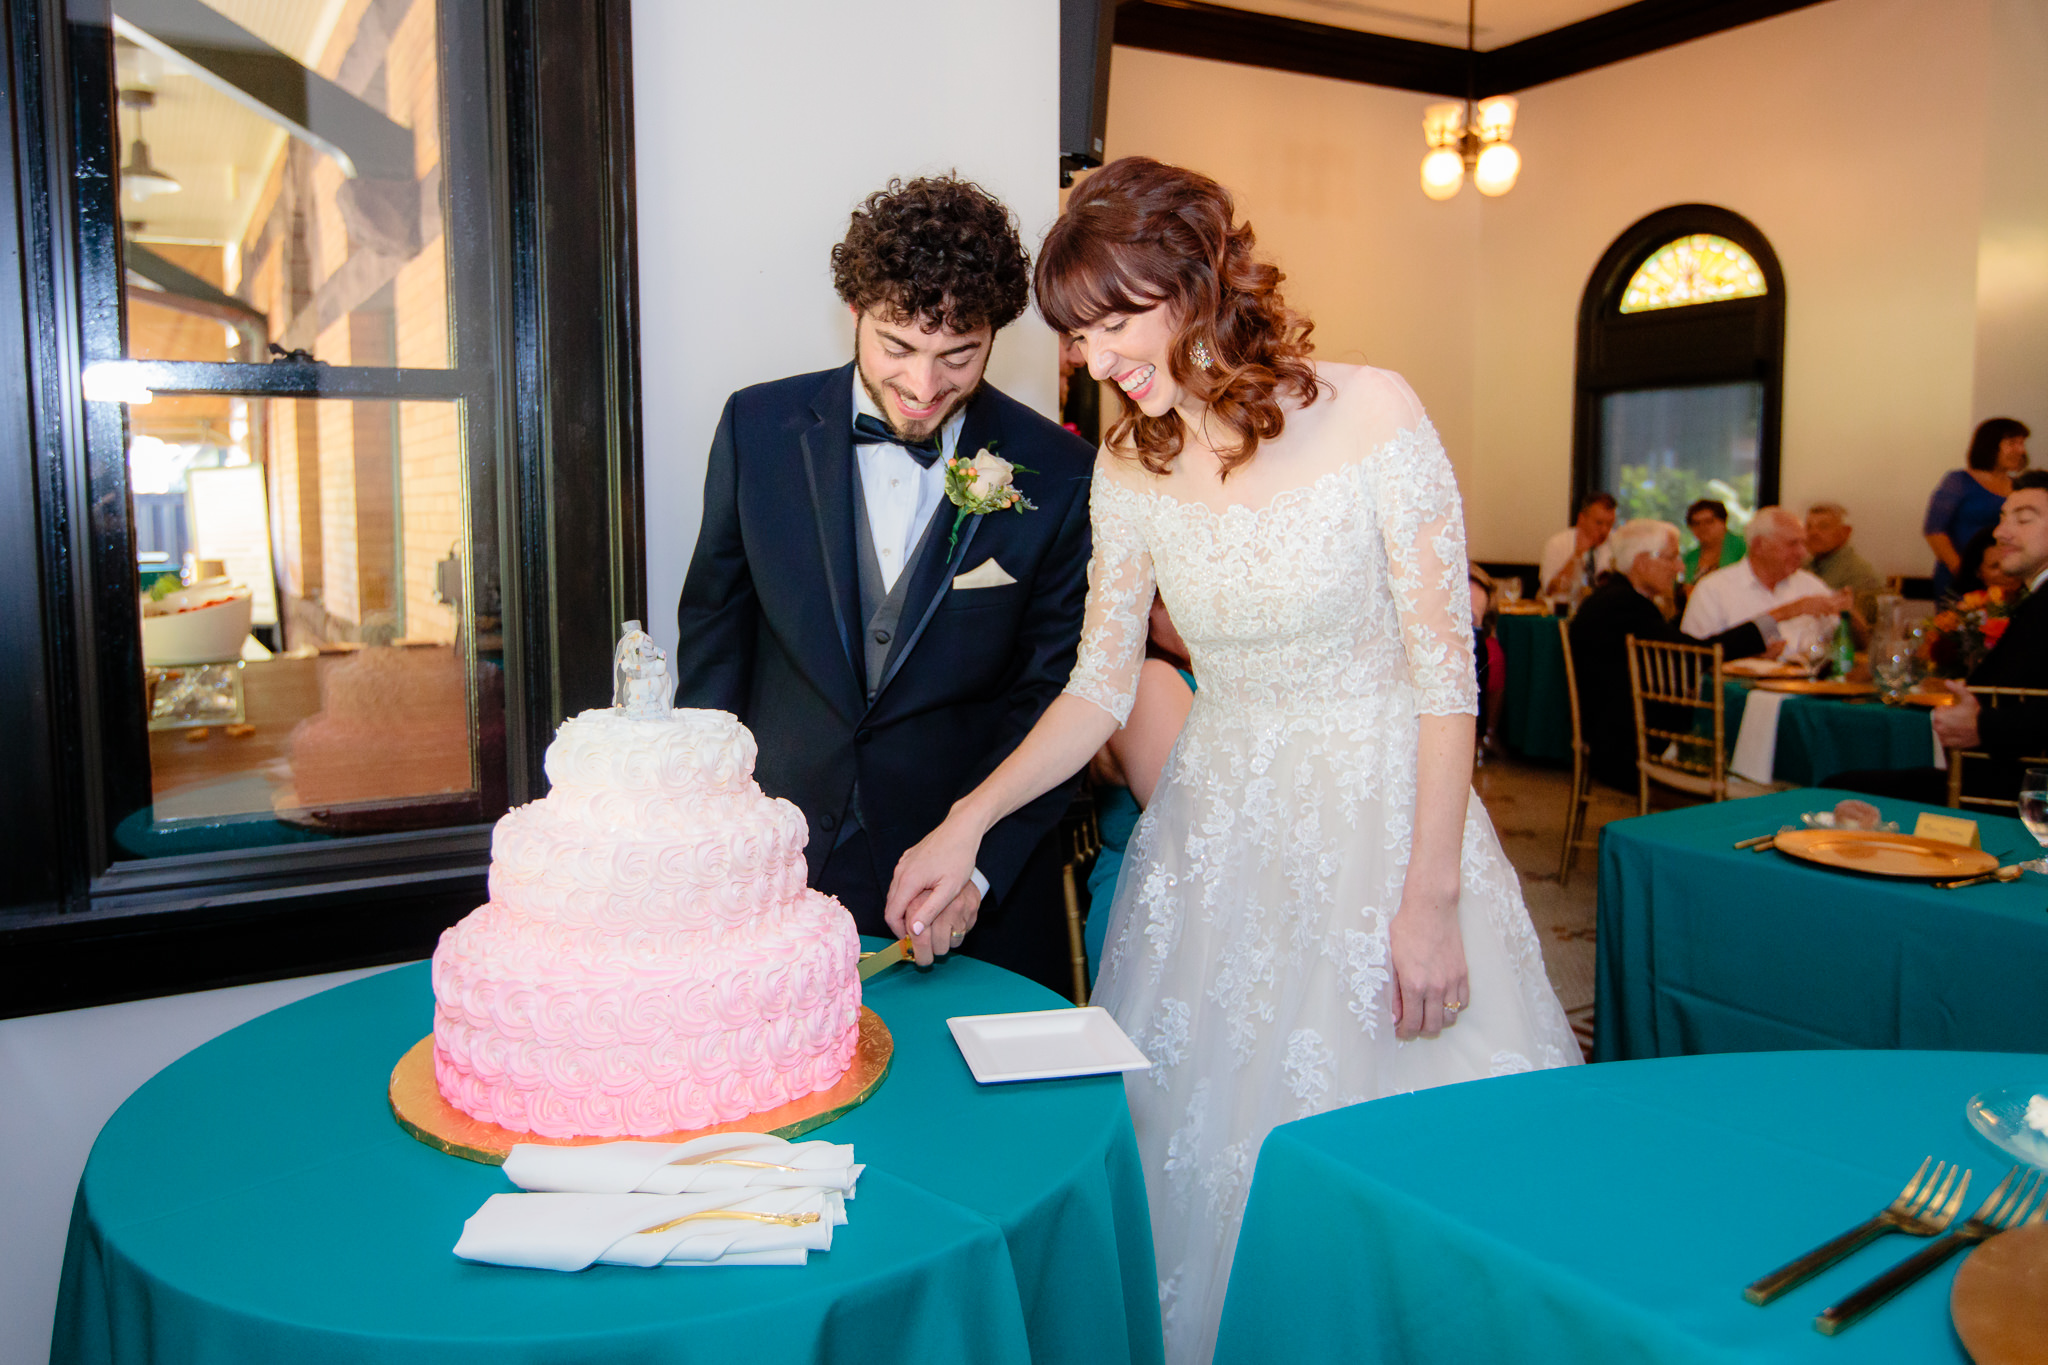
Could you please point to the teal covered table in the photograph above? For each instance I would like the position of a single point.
(1821, 736)
(1605, 1213)
(256, 1202)
(1536, 718)
(1705, 948)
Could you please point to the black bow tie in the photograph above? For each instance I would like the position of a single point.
(869, 431)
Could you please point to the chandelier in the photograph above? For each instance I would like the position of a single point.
(1472, 135)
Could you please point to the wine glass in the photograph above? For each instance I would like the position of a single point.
(1511, 588)
(2034, 804)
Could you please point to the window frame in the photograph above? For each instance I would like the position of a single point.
(543, 356)
(1724, 342)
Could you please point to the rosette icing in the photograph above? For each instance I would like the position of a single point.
(651, 959)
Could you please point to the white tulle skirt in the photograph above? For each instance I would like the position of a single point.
(1247, 955)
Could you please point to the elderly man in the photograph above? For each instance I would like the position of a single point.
(1768, 576)
(1835, 561)
(1646, 564)
(1575, 557)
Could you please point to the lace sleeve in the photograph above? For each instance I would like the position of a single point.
(1423, 524)
(1120, 587)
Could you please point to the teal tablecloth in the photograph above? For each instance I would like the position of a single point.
(1536, 717)
(256, 1202)
(1705, 948)
(1605, 1213)
(1819, 737)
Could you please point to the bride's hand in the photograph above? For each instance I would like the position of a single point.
(1428, 953)
(927, 886)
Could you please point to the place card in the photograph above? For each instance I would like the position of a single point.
(1949, 829)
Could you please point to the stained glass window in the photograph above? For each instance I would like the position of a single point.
(1698, 268)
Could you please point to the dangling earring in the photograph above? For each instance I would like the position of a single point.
(1200, 355)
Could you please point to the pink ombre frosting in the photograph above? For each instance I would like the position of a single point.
(651, 959)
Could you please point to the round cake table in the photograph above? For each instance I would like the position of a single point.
(255, 1201)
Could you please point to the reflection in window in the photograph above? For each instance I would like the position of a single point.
(1662, 449)
(317, 667)
(1697, 268)
(281, 181)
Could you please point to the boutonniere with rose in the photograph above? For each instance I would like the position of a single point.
(1954, 641)
(982, 485)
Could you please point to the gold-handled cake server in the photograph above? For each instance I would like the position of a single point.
(788, 1220)
(870, 963)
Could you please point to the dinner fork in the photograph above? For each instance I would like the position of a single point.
(1927, 1205)
(2006, 1208)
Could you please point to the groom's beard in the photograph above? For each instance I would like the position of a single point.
(920, 430)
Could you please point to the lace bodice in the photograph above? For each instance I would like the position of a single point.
(1347, 590)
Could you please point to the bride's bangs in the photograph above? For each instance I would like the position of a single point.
(1083, 279)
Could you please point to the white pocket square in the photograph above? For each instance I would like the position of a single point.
(987, 574)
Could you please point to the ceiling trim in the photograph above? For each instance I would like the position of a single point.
(1191, 28)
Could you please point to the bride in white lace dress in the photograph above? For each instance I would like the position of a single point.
(1314, 909)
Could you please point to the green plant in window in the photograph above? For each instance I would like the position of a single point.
(1664, 494)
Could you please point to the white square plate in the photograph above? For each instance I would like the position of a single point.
(1038, 1045)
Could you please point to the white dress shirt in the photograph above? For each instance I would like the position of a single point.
(901, 494)
(1733, 594)
(1561, 549)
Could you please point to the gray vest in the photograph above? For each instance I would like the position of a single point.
(882, 637)
(883, 611)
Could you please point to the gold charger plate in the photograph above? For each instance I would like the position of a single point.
(1810, 687)
(1928, 699)
(1762, 668)
(1885, 855)
(2000, 1299)
(417, 1104)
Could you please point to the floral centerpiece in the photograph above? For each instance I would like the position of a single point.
(1955, 640)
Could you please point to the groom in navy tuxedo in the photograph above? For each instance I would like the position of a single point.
(886, 650)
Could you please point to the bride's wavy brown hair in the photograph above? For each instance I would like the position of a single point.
(1139, 233)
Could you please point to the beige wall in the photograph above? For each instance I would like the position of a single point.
(1854, 134)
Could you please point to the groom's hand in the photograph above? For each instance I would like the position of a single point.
(947, 929)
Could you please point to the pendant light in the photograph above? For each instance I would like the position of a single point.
(140, 177)
(1472, 135)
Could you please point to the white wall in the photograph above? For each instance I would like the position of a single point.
(759, 127)
(1326, 172)
(1894, 152)
(62, 1076)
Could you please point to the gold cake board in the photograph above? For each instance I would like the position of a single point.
(417, 1104)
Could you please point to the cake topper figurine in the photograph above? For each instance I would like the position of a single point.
(641, 687)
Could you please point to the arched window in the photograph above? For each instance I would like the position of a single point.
(1681, 367)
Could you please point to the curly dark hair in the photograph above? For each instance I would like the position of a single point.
(1139, 233)
(940, 250)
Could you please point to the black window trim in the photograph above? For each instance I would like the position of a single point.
(82, 927)
(1732, 341)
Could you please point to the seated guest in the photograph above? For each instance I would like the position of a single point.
(1767, 576)
(1575, 557)
(1717, 546)
(1488, 660)
(1983, 567)
(2012, 731)
(1646, 564)
(1836, 562)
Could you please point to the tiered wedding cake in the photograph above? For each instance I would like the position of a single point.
(651, 959)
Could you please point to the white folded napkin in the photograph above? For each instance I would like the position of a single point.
(576, 1231)
(723, 1161)
(1756, 743)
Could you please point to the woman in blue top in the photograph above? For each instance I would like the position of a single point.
(1968, 500)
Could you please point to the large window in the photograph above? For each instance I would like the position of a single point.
(1681, 343)
(316, 578)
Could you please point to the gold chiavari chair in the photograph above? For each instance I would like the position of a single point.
(1991, 698)
(1693, 759)
(1082, 836)
(1582, 771)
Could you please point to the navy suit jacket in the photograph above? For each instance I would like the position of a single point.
(771, 627)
